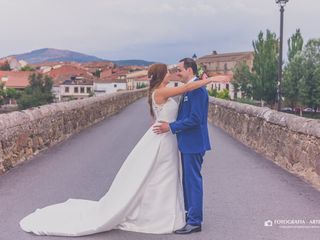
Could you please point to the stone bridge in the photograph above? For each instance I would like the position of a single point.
(264, 166)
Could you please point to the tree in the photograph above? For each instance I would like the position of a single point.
(91, 94)
(97, 73)
(242, 80)
(7, 94)
(310, 84)
(224, 94)
(293, 79)
(2, 93)
(264, 82)
(295, 44)
(213, 92)
(5, 66)
(42, 82)
(294, 71)
(27, 68)
(140, 85)
(12, 93)
(38, 93)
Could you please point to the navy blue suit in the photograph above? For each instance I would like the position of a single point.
(191, 129)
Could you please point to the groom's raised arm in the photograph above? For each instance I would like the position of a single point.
(196, 114)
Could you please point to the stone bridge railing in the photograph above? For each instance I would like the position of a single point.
(290, 141)
(25, 133)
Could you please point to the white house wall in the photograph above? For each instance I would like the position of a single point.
(109, 87)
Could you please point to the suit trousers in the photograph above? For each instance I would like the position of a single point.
(193, 186)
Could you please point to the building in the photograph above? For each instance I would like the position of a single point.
(70, 81)
(175, 81)
(111, 81)
(59, 73)
(98, 67)
(220, 67)
(106, 73)
(46, 67)
(224, 63)
(107, 86)
(221, 82)
(16, 80)
(73, 88)
(15, 65)
(137, 79)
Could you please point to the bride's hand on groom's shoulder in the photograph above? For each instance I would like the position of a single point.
(162, 127)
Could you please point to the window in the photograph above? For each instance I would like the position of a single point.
(88, 90)
(227, 86)
(81, 89)
(219, 87)
(66, 89)
(176, 84)
(76, 89)
(115, 85)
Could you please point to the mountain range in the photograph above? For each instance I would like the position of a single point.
(58, 55)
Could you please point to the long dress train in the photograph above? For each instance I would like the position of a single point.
(145, 196)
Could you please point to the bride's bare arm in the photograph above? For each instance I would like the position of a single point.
(167, 92)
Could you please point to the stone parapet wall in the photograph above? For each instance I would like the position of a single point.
(290, 141)
(25, 133)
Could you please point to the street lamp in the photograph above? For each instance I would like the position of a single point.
(282, 4)
(194, 57)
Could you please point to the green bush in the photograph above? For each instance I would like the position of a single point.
(213, 92)
(38, 93)
(34, 99)
(141, 85)
(224, 94)
(27, 68)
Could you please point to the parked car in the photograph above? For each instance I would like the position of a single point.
(286, 109)
(308, 110)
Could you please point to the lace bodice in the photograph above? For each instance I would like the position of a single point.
(165, 112)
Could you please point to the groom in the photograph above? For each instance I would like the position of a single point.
(191, 130)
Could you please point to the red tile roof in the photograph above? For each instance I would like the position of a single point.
(52, 64)
(102, 65)
(236, 56)
(3, 61)
(65, 72)
(15, 79)
(106, 73)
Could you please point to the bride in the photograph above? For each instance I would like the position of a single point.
(146, 194)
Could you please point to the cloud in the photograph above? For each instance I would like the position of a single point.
(158, 30)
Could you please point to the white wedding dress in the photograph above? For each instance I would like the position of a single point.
(145, 196)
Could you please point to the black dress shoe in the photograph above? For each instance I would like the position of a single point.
(188, 229)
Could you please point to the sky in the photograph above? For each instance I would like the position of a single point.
(156, 30)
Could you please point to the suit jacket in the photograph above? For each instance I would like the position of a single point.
(191, 126)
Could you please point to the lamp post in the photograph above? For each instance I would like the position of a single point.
(194, 57)
(282, 4)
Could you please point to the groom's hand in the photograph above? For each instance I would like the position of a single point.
(162, 128)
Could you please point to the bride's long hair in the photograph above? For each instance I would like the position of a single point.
(156, 73)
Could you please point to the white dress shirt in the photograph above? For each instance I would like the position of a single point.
(191, 80)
